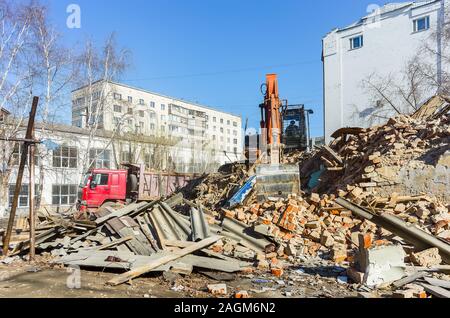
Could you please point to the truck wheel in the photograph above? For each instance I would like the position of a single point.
(132, 184)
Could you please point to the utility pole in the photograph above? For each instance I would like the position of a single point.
(23, 159)
(32, 218)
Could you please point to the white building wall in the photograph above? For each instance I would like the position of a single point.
(389, 42)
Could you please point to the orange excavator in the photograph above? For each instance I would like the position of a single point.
(283, 128)
(271, 124)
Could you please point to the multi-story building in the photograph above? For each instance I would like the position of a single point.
(196, 129)
(380, 45)
(117, 124)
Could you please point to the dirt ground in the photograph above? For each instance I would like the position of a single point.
(23, 280)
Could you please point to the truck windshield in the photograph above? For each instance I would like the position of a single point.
(85, 180)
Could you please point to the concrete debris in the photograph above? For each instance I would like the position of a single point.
(218, 289)
(427, 258)
(384, 264)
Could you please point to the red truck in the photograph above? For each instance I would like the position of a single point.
(103, 187)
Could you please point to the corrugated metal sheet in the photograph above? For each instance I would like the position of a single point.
(199, 225)
(167, 226)
(246, 235)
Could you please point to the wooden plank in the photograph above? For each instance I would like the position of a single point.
(114, 243)
(183, 244)
(333, 154)
(134, 207)
(438, 282)
(161, 261)
(436, 291)
(437, 268)
(409, 279)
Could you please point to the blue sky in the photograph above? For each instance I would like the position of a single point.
(217, 52)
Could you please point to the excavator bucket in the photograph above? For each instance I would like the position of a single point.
(277, 181)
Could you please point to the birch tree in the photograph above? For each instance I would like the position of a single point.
(16, 71)
(97, 68)
(425, 74)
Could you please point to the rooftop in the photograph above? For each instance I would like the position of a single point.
(164, 96)
(386, 9)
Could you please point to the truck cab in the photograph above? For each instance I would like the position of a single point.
(133, 184)
(103, 185)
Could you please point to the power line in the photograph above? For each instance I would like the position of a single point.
(256, 68)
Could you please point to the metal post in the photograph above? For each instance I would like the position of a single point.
(309, 132)
(23, 159)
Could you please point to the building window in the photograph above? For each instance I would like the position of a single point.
(17, 153)
(64, 194)
(117, 96)
(96, 95)
(214, 119)
(130, 111)
(356, 42)
(234, 132)
(23, 201)
(221, 130)
(228, 122)
(234, 124)
(152, 126)
(163, 117)
(130, 99)
(422, 24)
(163, 107)
(152, 104)
(99, 158)
(141, 102)
(214, 137)
(65, 157)
(117, 108)
(125, 157)
(141, 113)
(221, 120)
(235, 150)
(235, 141)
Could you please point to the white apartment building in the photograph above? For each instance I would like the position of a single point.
(197, 129)
(380, 43)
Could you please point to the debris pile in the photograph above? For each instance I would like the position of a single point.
(214, 189)
(406, 155)
(366, 209)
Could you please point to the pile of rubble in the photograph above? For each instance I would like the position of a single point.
(406, 155)
(214, 189)
(358, 213)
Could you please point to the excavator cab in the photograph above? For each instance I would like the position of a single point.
(294, 128)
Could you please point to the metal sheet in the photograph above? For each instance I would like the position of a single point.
(199, 225)
(248, 237)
